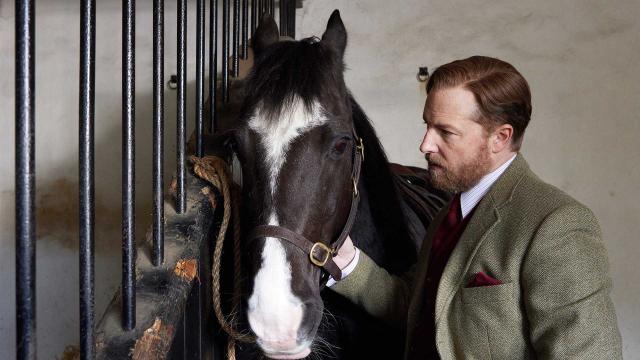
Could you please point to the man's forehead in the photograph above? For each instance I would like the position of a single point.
(450, 103)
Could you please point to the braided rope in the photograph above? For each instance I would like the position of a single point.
(216, 171)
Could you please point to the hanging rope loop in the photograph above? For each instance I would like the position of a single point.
(216, 171)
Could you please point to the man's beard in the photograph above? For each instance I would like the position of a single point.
(463, 177)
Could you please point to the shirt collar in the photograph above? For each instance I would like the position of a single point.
(470, 198)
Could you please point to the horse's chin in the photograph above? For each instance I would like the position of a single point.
(301, 355)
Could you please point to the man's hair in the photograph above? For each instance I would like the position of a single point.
(502, 94)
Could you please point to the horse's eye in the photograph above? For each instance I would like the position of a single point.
(340, 145)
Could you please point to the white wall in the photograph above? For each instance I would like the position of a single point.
(579, 57)
(581, 60)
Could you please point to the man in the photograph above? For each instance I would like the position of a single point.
(512, 268)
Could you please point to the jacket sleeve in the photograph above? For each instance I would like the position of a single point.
(566, 289)
(381, 294)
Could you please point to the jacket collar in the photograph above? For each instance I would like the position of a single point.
(485, 217)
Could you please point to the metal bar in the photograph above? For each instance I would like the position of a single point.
(291, 18)
(272, 6)
(245, 29)
(87, 183)
(128, 166)
(199, 76)
(263, 9)
(25, 179)
(213, 63)
(283, 17)
(236, 37)
(225, 50)
(182, 106)
(193, 322)
(158, 132)
(254, 15)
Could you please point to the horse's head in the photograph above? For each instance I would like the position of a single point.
(297, 146)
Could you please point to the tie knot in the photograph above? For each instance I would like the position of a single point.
(454, 216)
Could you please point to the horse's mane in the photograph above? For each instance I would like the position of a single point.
(384, 200)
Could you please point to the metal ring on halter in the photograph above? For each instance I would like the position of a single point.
(328, 252)
(355, 187)
(360, 148)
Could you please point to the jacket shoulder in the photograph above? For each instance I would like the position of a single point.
(541, 200)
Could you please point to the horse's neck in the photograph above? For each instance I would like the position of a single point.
(380, 229)
(385, 241)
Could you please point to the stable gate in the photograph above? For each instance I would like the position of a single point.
(156, 330)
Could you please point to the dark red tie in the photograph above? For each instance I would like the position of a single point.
(449, 223)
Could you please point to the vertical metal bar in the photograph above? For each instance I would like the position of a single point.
(193, 322)
(272, 6)
(87, 183)
(25, 180)
(291, 18)
(245, 28)
(225, 50)
(213, 63)
(283, 17)
(199, 76)
(158, 132)
(182, 106)
(254, 15)
(236, 37)
(263, 9)
(128, 166)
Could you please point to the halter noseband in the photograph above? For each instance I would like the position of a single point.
(321, 254)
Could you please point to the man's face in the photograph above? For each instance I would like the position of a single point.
(455, 145)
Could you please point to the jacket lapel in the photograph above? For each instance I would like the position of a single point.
(485, 217)
(415, 304)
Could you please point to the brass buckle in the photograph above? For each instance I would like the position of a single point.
(324, 247)
(360, 147)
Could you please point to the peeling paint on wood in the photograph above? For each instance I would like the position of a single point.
(186, 269)
(155, 342)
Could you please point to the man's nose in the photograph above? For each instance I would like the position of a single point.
(428, 144)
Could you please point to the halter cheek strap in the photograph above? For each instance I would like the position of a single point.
(321, 254)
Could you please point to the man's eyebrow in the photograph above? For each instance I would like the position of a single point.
(445, 127)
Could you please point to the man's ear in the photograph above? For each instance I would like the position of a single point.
(266, 34)
(501, 138)
(336, 34)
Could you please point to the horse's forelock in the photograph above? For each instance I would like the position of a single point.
(293, 71)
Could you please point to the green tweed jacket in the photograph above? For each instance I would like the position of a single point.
(542, 245)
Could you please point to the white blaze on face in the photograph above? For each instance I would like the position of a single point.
(275, 313)
(276, 135)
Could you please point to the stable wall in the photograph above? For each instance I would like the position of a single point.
(580, 58)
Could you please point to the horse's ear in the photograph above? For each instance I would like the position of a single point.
(266, 34)
(336, 34)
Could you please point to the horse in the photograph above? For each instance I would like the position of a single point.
(313, 170)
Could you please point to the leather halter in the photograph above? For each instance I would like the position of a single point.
(321, 254)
